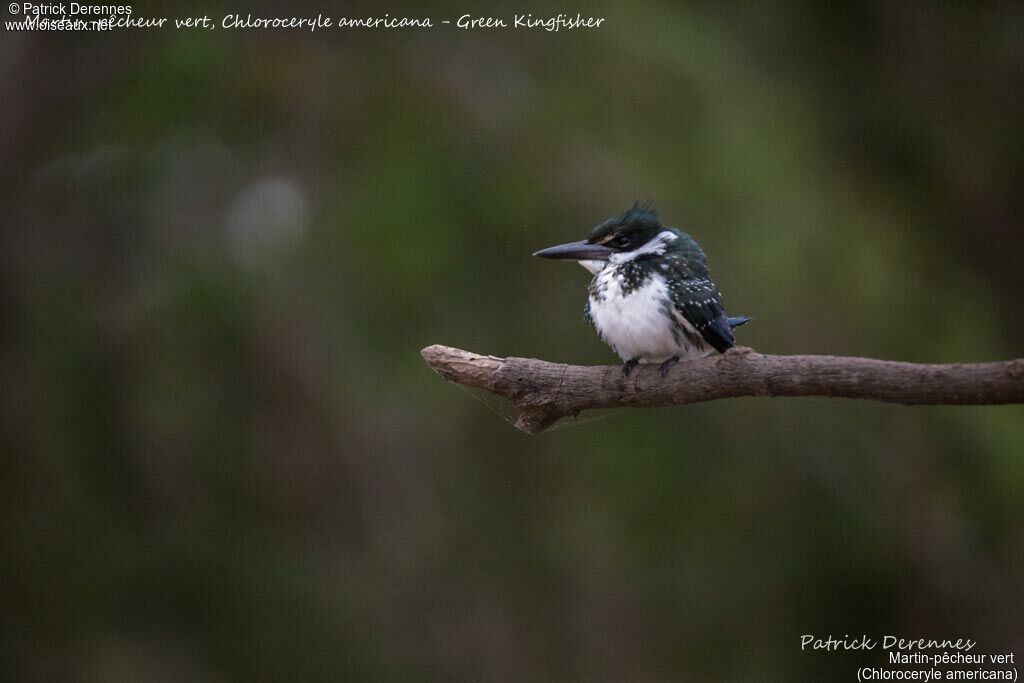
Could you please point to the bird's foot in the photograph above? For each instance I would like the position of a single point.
(629, 365)
(663, 368)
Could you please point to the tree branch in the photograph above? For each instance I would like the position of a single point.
(544, 392)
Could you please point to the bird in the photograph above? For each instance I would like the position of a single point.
(651, 299)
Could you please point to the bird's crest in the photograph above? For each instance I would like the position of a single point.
(641, 212)
(640, 220)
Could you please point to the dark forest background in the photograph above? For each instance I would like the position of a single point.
(223, 458)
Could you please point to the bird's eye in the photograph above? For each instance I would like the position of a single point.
(622, 241)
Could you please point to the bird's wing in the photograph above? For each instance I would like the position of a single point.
(699, 302)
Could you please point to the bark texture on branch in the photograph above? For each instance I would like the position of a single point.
(543, 392)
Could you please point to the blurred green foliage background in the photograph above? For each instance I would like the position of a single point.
(223, 458)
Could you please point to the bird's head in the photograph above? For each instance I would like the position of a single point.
(633, 233)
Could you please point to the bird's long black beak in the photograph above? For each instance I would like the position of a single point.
(577, 251)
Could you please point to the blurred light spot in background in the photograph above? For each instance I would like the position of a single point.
(266, 218)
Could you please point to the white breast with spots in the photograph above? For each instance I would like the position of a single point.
(641, 323)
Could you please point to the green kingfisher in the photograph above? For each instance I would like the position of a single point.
(651, 298)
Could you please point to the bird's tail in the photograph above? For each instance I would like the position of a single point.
(738, 320)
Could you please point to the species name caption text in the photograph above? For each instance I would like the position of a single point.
(920, 659)
(76, 16)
